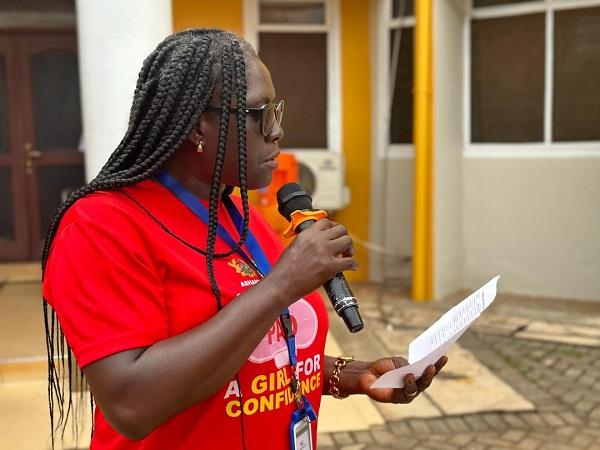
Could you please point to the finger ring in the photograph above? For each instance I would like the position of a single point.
(411, 395)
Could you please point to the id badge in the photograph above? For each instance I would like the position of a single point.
(301, 431)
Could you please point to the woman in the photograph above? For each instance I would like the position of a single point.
(174, 296)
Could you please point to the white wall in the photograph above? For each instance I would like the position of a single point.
(535, 222)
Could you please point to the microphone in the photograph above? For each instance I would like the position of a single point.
(296, 206)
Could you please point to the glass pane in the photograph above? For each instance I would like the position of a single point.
(56, 103)
(401, 125)
(55, 184)
(403, 8)
(507, 79)
(3, 107)
(479, 3)
(300, 77)
(576, 115)
(7, 231)
(280, 12)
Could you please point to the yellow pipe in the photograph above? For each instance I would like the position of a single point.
(422, 277)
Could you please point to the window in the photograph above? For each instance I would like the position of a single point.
(279, 12)
(296, 42)
(401, 71)
(534, 72)
(300, 77)
(403, 8)
(576, 90)
(507, 79)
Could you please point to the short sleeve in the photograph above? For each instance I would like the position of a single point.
(101, 281)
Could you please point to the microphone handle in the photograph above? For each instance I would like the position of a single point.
(341, 297)
(343, 301)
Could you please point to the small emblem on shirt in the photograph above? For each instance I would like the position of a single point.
(242, 267)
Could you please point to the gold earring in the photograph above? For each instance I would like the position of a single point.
(200, 149)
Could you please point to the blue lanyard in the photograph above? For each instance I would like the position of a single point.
(259, 262)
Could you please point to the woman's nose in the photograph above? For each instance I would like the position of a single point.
(276, 133)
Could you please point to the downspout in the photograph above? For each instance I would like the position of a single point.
(422, 276)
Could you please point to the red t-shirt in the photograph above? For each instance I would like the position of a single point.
(118, 281)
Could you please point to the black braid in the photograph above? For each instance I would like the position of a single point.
(175, 85)
(240, 70)
(216, 184)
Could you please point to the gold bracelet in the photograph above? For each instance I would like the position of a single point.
(334, 379)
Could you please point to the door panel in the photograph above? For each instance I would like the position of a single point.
(55, 94)
(45, 160)
(14, 237)
(7, 228)
(3, 107)
(53, 125)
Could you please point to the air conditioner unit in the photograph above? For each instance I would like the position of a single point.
(321, 174)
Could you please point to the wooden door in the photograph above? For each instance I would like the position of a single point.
(40, 136)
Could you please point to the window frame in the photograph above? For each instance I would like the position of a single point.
(526, 149)
(382, 82)
(331, 28)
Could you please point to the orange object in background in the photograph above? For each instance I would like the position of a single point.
(266, 199)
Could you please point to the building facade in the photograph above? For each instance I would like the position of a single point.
(468, 131)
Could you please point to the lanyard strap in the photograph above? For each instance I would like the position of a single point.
(264, 266)
(259, 261)
(201, 212)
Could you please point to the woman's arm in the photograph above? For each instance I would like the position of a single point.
(140, 389)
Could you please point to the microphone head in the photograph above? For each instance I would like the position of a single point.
(292, 197)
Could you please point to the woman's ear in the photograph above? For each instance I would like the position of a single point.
(196, 138)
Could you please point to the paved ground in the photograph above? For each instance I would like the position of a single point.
(526, 375)
(547, 351)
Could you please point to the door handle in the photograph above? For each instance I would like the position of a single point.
(30, 154)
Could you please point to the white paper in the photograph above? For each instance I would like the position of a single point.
(434, 342)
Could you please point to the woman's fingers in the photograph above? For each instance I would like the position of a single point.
(337, 240)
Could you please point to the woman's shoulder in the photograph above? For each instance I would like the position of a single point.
(114, 205)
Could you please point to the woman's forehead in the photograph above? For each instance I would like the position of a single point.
(259, 85)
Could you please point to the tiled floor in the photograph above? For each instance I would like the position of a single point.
(24, 423)
(21, 322)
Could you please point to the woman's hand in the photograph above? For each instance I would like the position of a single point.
(314, 257)
(411, 388)
(358, 376)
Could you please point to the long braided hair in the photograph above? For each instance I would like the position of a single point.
(174, 87)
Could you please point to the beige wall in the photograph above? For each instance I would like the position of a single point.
(535, 222)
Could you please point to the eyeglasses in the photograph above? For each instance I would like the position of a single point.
(268, 114)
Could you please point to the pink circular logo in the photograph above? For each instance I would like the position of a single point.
(273, 346)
